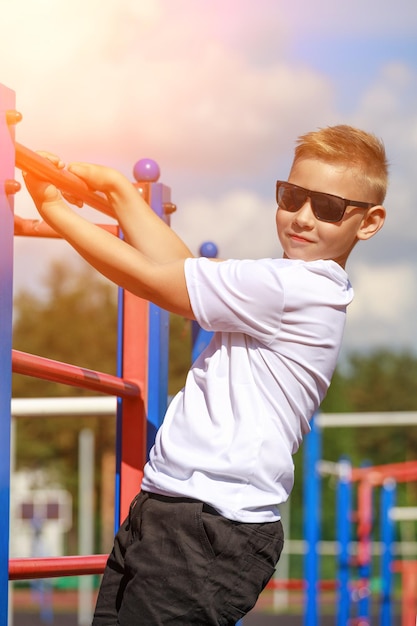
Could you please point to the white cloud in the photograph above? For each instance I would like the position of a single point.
(240, 223)
(388, 108)
(382, 292)
(383, 306)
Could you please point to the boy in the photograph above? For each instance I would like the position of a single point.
(204, 535)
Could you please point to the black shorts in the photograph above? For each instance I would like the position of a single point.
(176, 561)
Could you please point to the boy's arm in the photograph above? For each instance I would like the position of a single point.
(159, 277)
(141, 227)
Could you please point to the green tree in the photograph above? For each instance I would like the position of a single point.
(179, 352)
(380, 381)
(383, 380)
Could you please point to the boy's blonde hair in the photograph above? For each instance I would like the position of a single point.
(354, 148)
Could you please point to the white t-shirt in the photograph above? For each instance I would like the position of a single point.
(228, 437)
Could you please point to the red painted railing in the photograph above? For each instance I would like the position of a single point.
(48, 369)
(26, 569)
(38, 228)
(298, 584)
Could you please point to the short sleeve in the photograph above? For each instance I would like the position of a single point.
(236, 295)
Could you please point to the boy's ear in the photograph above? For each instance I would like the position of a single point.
(372, 222)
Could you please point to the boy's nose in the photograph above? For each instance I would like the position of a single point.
(305, 216)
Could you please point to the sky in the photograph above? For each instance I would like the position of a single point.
(217, 91)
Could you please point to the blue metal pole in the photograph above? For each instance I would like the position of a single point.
(158, 322)
(200, 338)
(343, 519)
(119, 358)
(365, 566)
(388, 497)
(364, 603)
(312, 521)
(158, 370)
(7, 168)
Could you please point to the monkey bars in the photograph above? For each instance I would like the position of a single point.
(142, 348)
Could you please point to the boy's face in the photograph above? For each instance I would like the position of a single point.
(303, 236)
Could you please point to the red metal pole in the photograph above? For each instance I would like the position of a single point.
(409, 595)
(364, 522)
(134, 411)
(135, 357)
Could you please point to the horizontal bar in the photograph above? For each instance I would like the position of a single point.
(403, 513)
(85, 405)
(406, 566)
(47, 369)
(388, 467)
(378, 478)
(28, 569)
(332, 548)
(38, 228)
(29, 161)
(295, 584)
(385, 418)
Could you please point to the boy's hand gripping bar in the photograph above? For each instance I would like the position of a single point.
(29, 161)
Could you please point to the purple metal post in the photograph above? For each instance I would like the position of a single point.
(7, 188)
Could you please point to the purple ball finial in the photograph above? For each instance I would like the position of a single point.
(209, 250)
(146, 171)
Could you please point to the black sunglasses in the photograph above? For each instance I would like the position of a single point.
(325, 206)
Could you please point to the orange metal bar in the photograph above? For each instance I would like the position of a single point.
(26, 569)
(48, 369)
(30, 161)
(378, 473)
(297, 584)
(38, 228)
